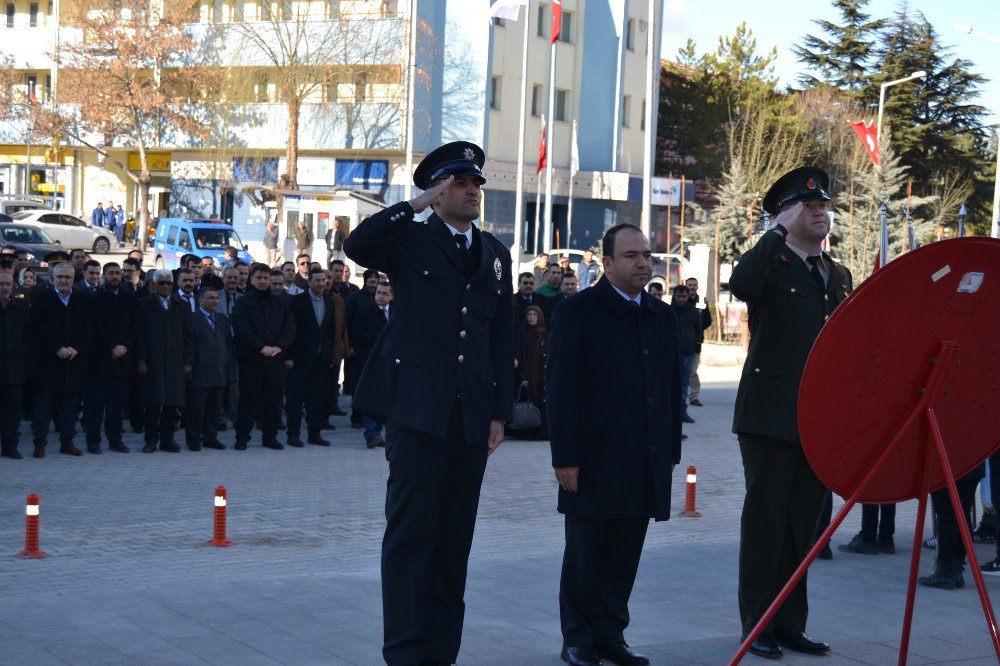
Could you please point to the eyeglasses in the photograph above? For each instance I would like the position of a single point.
(166, 282)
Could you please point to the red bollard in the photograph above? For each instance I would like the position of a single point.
(691, 493)
(219, 534)
(31, 548)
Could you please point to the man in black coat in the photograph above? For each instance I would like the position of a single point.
(15, 343)
(63, 324)
(690, 334)
(264, 330)
(116, 328)
(213, 353)
(365, 329)
(613, 451)
(319, 327)
(440, 374)
(352, 368)
(91, 282)
(164, 354)
(343, 288)
(791, 287)
(526, 297)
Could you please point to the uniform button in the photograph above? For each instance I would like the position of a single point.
(462, 334)
(650, 401)
(646, 352)
(461, 358)
(498, 292)
(468, 287)
(397, 361)
(465, 310)
(826, 297)
(425, 272)
(793, 290)
(826, 317)
(757, 370)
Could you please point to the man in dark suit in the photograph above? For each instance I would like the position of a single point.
(15, 343)
(186, 294)
(264, 330)
(318, 347)
(440, 374)
(213, 352)
(526, 297)
(365, 329)
(164, 354)
(352, 368)
(116, 328)
(63, 324)
(613, 460)
(791, 287)
(91, 282)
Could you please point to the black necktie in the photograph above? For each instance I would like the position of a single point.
(460, 240)
(814, 271)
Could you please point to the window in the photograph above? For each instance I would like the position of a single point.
(495, 93)
(185, 241)
(536, 100)
(499, 22)
(51, 218)
(630, 35)
(216, 239)
(172, 236)
(331, 87)
(389, 8)
(562, 102)
(31, 83)
(33, 15)
(361, 87)
(543, 25)
(260, 89)
(11, 11)
(218, 11)
(334, 7)
(642, 118)
(566, 30)
(626, 110)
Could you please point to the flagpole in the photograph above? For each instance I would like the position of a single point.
(548, 148)
(650, 135)
(519, 195)
(411, 76)
(572, 172)
(538, 211)
(620, 25)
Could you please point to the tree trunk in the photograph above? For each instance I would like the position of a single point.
(290, 178)
(142, 221)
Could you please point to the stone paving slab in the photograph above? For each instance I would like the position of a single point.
(130, 580)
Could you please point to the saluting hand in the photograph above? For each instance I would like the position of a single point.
(568, 478)
(430, 197)
(791, 216)
(496, 435)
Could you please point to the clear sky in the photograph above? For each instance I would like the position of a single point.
(782, 24)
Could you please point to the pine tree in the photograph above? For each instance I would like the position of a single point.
(843, 60)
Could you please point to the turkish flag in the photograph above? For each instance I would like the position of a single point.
(866, 132)
(556, 20)
(541, 152)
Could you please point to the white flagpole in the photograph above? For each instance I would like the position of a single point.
(548, 148)
(574, 166)
(650, 136)
(519, 196)
(538, 212)
(620, 27)
(410, 78)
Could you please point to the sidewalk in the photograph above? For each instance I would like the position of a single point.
(130, 579)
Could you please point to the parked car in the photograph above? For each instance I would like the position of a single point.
(176, 237)
(667, 269)
(38, 244)
(68, 230)
(11, 206)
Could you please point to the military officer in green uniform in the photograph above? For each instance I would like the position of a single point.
(791, 288)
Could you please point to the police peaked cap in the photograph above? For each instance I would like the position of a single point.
(797, 185)
(459, 158)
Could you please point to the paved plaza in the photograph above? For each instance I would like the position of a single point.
(129, 578)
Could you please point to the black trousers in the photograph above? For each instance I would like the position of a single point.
(598, 572)
(872, 527)
(66, 404)
(133, 398)
(782, 506)
(10, 416)
(160, 424)
(103, 402)
(261, 388)
(201, 415)
(950, 546)
(431, 501)
(308, 383)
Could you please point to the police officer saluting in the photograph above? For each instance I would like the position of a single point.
(441, 376)
(791, 287)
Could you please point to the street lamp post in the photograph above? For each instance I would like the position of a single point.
(881, 99)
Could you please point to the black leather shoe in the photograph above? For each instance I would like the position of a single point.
(800, 642)
(149, 448)
(219, 446)
(241, 446)
(318, 440)
(170, 448)
(580, 656)
(620, 653)
(14, 455)
(766, 646)
(70, 450)
(39, 452)
(860, 544)
(825, 553)
(94, 449)
(294, 440)
(194, 447)
(277, 446)
(118, 448)
(357, 425)
(373, 442)
(687, 419)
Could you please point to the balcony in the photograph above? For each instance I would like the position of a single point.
(31, 48)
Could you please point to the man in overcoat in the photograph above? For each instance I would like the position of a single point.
(791, 288)
(16, 341)
(440, 375)
(164, 354)
(63, 324)
(213, 360)
(613, 451)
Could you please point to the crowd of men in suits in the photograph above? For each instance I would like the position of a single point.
(93, 346)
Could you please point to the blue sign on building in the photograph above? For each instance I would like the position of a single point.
(362, 174)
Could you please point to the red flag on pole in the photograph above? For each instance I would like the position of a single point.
(866, 132)
(556, 20)
(541, 150)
